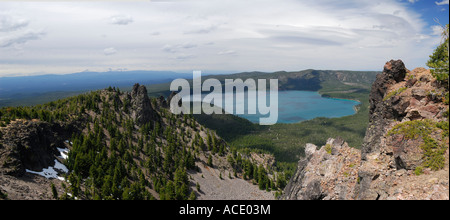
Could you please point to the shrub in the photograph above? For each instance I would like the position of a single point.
(3, 195)
(413, 129)
(433, 151)
(418, 171)
(328, 148)
(394, 93)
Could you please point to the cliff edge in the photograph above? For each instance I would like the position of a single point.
(405, 151)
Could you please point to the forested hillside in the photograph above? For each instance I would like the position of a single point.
(122, 145)
(306, 80)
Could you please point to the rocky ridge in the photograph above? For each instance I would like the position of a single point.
(30, 142)
(405, 151)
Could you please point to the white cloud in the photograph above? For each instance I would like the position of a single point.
(185, 56)
(437, 30)
(264, 35)
(109, 51)
(202, 30)
(10, 23)
(15, 31)
(413, 1)
(121, 19)
(20, 38)
(177, 48)
(443, 2)
(227, 52)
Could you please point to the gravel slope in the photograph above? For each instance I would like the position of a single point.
(214, 188)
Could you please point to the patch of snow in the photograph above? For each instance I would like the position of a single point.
(61, 167)
(64, 153)
(52, 172)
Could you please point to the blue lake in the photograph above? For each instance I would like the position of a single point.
(297, 106)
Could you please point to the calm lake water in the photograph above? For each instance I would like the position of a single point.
(297, 106)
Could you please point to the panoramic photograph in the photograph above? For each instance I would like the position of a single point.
(257, 100)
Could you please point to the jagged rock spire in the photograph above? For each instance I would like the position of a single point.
(141, 106)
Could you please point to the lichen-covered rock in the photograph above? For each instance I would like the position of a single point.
(389, 161)
(329, 173)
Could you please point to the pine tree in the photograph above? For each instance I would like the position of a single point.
(54, 191)
(169, 191)
(439, 60)
(210, 161)
(192, 196)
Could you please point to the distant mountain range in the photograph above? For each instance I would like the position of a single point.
(17, 87)
(31, 90)
(305, 80)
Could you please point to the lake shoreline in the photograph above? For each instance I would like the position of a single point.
(296, 106)
(355, 107)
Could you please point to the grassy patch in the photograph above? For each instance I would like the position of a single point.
(414, 129)
(394, 93)
(418, 171)
(433, 150)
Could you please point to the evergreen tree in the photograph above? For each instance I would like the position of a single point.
(439, 62)
(192, 196)
(54, 191)
(169, 191)
(210, 161)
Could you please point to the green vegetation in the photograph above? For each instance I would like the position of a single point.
(286, 141)
(438, 61)
(307, 80)
(111, 151)
(112, 158)
(413, 129)
(394, 93)
(37, 99)
(328, 148)
(433, 150)
(3, 195)
(418, 171)
(242, 163)
(54, 191)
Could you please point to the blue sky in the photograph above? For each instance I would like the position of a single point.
(61, 37)
(430, 10)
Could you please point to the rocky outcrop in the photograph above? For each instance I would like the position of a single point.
(328, 173)
(390, 164)
(162, 102)
(381, 112)
(389, 161)
(28, 145)
(142, 111)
